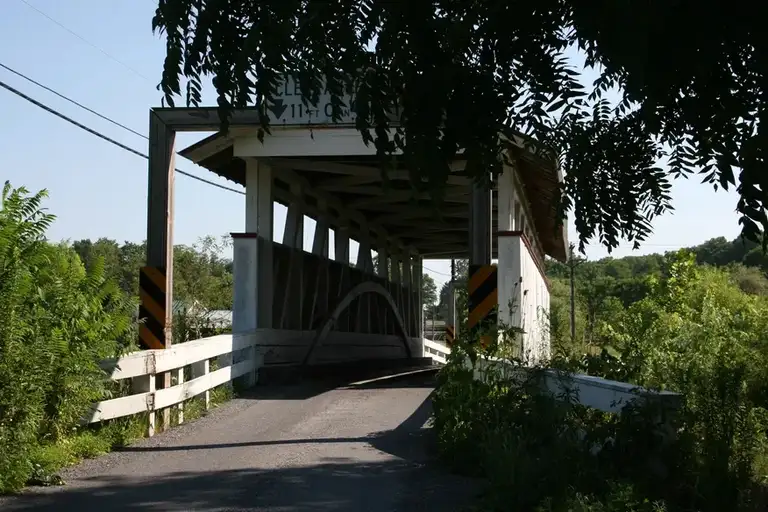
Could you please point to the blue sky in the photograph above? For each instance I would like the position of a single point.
(97, 189)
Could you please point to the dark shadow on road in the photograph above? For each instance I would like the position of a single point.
(412, 440)
(407, 441)
(308, 381)
(339, 485)
(309, 387)
(424, 379)
(408, 483)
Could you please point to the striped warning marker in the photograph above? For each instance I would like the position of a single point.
(483, 298)
(152, 309)
(450, 335)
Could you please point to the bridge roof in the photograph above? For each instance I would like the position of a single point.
(352, 189)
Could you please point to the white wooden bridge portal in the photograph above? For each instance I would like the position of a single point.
(307, 308)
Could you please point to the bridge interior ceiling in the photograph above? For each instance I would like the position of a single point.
(353, 193)
(392, 206)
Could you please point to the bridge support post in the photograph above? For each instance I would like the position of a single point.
(407, 280)
(259, 215)
(382, 314)
(480, 225)
(365, 263)
(252, 264)
(451, 320)
(510, 267)
(341, 245)
(418, 277)
(481, 284)
(395, 270)
(160, 227)
(395, 265)
(293, 235)
(245, 271)
(320, 242)
(383, 263)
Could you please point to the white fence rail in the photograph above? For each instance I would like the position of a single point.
(143, 368)
(437, 351)
(256, 348)
(605, 395)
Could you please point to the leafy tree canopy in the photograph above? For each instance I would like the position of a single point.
(692, 92)
(428, 291)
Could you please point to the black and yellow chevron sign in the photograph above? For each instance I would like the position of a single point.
(483, 298)
(450, 335)
(152, 308)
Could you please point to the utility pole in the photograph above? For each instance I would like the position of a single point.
(572, 264)
(434, 313)
(573, 294)
(450, 322)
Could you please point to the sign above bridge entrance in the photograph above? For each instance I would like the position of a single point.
(288, 109)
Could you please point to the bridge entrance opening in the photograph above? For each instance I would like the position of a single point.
(298, 305)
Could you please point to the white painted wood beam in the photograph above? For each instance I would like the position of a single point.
(294, 222)
(354, 174)
(259, 220)
(341, 245)
(366, 228)
(322, 225)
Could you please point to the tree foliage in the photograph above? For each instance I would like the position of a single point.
(201, 274)
(428, 286)
(57, 321)
(63, 309)
(461, 73)
(605, 287)
(693, 330)
(428, 292)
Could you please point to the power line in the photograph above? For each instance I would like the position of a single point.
(22, 75)
(598, 245)
(131, 150)
(50, 18)
(25, 77)
(436, 271)
(106, 138)
(135, 152)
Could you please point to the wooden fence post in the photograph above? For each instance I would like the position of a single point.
(200, 369)
(146, 384)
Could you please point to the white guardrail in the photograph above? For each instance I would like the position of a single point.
(437, 351)
(605, 395)
(144, 366)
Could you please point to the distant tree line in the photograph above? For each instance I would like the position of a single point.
(603, 284)
(200, 273)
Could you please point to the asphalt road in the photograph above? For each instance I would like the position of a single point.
(356, 448)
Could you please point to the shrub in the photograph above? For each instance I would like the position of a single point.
(697, 333)
(57, 321)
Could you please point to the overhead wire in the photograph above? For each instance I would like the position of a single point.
(66, 98)
(92, 111)
(101, 116)
(110, 120)
(131, 130)
(83, 39)
(436, 271)
(107, 138)
(140, 154)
